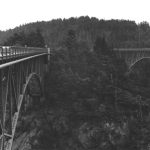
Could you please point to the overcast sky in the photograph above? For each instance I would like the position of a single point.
(17, 12)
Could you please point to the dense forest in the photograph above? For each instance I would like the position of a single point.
(93, 101)
(32, 39)
(99, 102)
(118, 33)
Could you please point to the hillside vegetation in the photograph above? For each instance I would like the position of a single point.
(118, 33)
(92, 100)
(100, 103)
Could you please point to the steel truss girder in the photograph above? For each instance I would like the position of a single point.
(14, 81)
(132, 57)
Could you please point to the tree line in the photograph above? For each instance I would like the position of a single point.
(93, 101)
(118, 33)
(32, 39)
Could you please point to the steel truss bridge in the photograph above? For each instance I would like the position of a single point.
(21, 76)
(133, 55)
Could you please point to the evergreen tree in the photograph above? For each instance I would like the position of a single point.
(101, 47)
(39, 39)
(71, 44)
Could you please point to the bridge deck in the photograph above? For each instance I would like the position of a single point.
(132, 49)
(20, 60)
(12, 53)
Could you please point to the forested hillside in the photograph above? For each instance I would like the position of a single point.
(100, 103)
(92, 101)
(118, 33)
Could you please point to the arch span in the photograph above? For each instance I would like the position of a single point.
(18, 82)
(29, 86)
(133, 55)
(16, 72)
(138, 60)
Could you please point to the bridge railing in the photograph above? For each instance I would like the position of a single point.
(15, 51)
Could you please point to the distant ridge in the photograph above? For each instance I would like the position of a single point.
(120, 33)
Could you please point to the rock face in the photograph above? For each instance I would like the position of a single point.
(53, 129)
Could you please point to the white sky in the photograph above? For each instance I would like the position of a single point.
(17, 12)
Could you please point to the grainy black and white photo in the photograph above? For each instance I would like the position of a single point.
(74, 75)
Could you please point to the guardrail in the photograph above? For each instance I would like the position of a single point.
(15, 52)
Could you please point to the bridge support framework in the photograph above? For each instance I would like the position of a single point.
(14, 79)
(133, 55)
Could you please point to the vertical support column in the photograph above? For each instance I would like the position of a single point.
(48, 59)
(37, 62)
(49, 52)
(1, 112)
(10, 102)
(41, 65)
